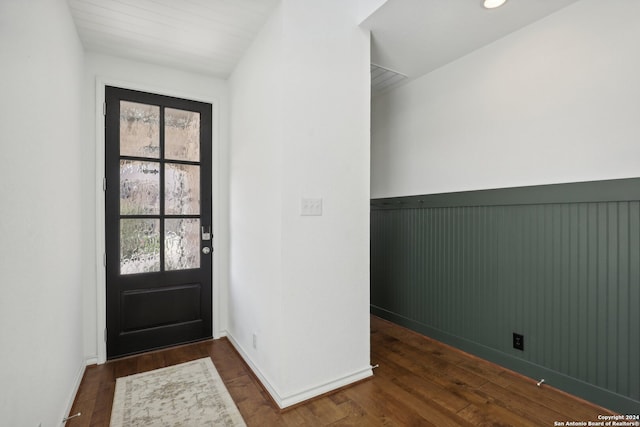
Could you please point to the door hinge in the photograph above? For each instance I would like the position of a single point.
(104, 108)
(104, 259)
(105, 334)
(104, 184)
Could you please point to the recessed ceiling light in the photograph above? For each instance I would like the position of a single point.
(492, 4)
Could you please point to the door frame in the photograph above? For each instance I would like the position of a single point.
(101, 277)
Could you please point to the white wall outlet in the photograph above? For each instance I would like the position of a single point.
(311, 207)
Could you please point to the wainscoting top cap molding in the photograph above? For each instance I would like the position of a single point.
(578, 192)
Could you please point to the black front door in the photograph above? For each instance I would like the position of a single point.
(158, 221)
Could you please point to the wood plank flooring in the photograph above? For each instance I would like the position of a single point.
(420, 382)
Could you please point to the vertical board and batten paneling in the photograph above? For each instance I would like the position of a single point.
(558, 264)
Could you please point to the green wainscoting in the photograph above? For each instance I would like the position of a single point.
(559, 264)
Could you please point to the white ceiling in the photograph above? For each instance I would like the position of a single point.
(411, 37)
(414, 37)
(207, 36)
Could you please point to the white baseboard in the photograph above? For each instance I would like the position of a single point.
(309, 393)
(256, 371)
(321, 389)
(91, 361)
(74, 391)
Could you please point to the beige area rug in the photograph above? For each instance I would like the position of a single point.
(191, 394)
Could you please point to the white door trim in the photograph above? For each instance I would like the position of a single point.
(101, 281)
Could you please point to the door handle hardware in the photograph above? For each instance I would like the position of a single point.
(206, 232)
(206, 250)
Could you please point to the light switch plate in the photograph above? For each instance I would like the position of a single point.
(311, 207)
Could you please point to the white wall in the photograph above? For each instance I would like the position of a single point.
(256, 122)
(557, 101)
(103, 69)
(300, 128)
(41, 225)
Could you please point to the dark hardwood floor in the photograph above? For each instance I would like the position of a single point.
(420, 382)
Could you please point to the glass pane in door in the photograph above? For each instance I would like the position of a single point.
(182, 243)
(181, 135)
(139, 187)
(139, 130)
(182, 189)
(139, 245)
